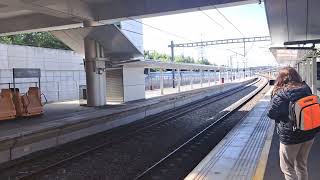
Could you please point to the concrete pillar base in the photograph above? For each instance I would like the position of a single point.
(95, 75)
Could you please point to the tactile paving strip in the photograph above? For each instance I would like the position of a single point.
(237, 156)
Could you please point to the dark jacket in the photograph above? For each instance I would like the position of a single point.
(279, 111)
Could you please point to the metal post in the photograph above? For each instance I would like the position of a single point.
(215, 76)
(179, 80)
(209, 73)
(149, 79)
(161, 81)
(59, 91)
(244, 49)
(305, 71)
(244, 55)
(314, 75)
(172, 60)
(302, 71)
(191, 81)
(227, 75)
(201, 78)
(244, 70)
(309, 71)
(220, 76)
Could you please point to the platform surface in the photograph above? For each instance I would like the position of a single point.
(237, 155)
(250, 152)
(273, 171)
(60, 113)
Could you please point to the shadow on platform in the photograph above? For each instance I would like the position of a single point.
(273, 171)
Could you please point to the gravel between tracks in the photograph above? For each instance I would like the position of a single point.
(127, 159)
(184, 161)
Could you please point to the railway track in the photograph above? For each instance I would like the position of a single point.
(133, 130)
(169, 167)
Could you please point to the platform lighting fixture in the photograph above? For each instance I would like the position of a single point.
(289, 55)
(303, 42)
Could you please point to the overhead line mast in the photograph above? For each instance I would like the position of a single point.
(220, 42)
(223, 41)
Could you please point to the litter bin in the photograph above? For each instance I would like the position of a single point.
(222, 80)
(271, 82)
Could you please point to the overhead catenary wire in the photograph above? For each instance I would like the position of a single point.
(161, 30)
(132, 31)
(153, 27)
(215, 22)
(181, 37)
(228, 20)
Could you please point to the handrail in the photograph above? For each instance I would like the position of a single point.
(44, 98)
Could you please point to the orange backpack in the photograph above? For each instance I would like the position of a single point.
(305, 113)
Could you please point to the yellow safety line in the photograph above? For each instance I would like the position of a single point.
(261, 168)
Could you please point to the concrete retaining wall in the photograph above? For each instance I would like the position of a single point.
(62, 71)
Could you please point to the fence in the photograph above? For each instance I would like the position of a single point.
(152, 80)
(53, 91)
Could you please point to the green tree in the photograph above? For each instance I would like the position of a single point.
(203, 61)
(37, 39)
(183, 59)
(153, 55)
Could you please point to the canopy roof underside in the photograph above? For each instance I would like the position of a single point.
(291, 56)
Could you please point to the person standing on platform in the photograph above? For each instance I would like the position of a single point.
(295, 145)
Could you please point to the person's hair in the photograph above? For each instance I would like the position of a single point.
(288, 78)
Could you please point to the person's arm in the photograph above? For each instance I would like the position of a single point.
(309, 89)
(278, 109)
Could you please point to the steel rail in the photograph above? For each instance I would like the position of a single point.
(188, 142)
(185, 109)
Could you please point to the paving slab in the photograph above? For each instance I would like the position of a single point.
(237, 155)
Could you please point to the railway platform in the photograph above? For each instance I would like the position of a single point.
(250, 151)
(67, 121)
(272, 169)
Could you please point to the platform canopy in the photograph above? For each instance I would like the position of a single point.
(18, 16)
(291, 55)
(293, 20)
(116, 45)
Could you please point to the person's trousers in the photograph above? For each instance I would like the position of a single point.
(293, 160)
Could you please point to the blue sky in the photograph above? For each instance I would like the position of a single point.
(194, 26)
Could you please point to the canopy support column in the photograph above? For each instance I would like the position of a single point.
(95, 74)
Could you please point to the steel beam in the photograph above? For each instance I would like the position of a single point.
(223, 41)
